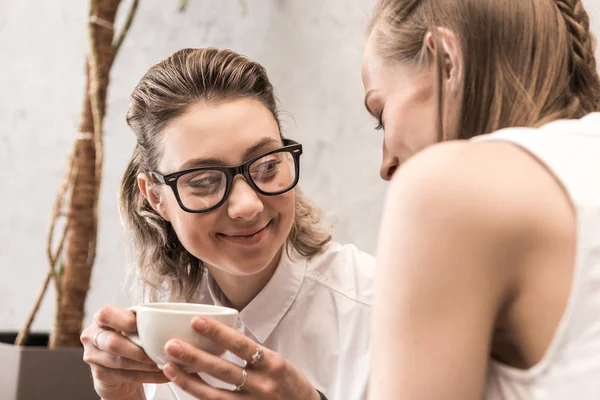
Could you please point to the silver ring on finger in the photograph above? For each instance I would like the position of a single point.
(258, 356)
(96, 337)
(239, 386)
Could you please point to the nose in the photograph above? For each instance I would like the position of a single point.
(243, 203)
(389, 165)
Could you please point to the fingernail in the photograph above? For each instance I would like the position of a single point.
(199, 323)
(169, 371)
(174, 349)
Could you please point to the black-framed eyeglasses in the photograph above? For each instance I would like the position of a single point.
(204, 189)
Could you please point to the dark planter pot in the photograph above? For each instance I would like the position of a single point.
(34, 372)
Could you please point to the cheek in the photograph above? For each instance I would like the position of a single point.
(192, 229)
(284, 206)
(410, 126)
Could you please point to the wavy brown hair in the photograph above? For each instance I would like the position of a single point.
(526, 62)
(165, 268)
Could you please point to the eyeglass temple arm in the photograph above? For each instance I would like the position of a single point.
(158, 177)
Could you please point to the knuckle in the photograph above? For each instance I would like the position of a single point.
(278, 366)
(84, 338)
(211, 331)
(87, 357)
(269, 388)
(238, 345)
(110, 343)
(103, 315)
(189, 358)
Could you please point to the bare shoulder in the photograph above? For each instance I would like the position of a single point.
(496, 185)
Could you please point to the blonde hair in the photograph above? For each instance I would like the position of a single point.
(165, 268)
(526, 62)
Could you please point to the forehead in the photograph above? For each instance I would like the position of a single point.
(372, 63)
(382, 75)
(224, 130)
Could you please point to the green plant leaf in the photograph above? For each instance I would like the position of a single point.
(183, 5)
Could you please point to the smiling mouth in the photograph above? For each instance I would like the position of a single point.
(245, 235)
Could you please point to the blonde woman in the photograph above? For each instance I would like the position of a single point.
(213, 215)
(489, 255)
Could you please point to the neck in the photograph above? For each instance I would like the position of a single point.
(239, 291)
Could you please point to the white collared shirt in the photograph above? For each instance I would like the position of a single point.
(315, 312)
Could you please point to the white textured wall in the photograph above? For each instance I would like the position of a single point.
(312, 49)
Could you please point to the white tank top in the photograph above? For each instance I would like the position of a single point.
(570, 369)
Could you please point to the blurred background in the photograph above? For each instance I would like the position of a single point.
(312, 50)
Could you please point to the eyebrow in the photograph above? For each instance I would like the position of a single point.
(214, 162)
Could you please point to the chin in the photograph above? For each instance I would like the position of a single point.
(251, 265)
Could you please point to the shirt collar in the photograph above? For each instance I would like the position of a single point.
(266, 310)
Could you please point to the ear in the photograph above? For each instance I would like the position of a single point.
(451, 54)
(151, 191)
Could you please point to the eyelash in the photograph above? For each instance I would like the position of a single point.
(379, 122)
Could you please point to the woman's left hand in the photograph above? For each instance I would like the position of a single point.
(270, 378)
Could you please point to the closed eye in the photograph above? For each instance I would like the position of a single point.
(378, 115)
(379, 121)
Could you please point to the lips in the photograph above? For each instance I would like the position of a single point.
(246, 233)
(247, 238)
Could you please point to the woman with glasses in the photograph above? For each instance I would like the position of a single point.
(213, 216)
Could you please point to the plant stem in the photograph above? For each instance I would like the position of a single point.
(126, 27)
(97, 123)
(24, 333)
(80, 247)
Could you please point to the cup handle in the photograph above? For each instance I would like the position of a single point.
(134, 337)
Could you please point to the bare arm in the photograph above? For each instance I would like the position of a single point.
(445, 269)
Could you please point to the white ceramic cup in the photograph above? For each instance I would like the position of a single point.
(157, 323)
